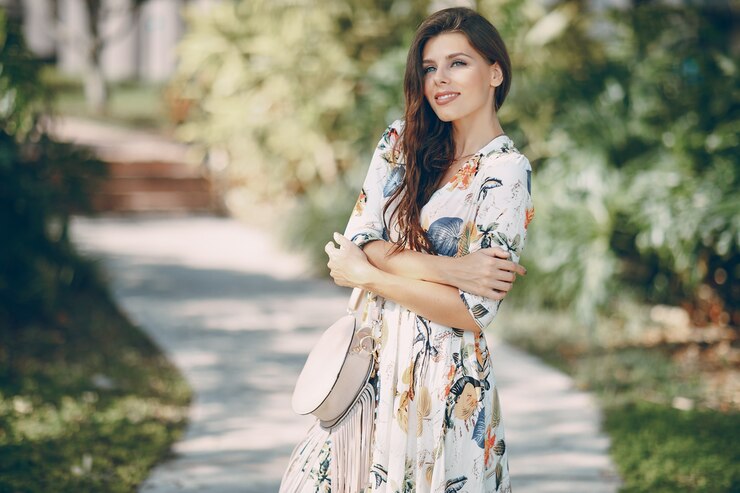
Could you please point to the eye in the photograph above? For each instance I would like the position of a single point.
(458, 62)
(428, 69)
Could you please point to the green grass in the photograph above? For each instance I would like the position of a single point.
(132, 103)
(661, 449)
(656, 447)
(88, 403)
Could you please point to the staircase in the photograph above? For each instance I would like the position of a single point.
(147, 172)
(153, 186)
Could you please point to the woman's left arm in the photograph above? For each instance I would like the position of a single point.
(504, 202)
(504, 210)
(437, 302)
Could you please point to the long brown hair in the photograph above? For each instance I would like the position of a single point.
(426, 141)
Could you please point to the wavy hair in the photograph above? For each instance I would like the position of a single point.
(426, 141)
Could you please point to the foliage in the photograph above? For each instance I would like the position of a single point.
(97, 32)
(630, 118)
(659, 448)
(655, 446)
(135, 104)
(291, 93)
(87, 402)
(41, 183)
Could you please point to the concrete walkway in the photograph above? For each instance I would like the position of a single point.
(238, 317)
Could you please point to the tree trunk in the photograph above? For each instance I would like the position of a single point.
(96, 88)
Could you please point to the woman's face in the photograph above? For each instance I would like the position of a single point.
(458, 81)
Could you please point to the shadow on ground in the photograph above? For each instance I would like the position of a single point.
(238, 316)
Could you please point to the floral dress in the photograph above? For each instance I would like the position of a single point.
(438, 419)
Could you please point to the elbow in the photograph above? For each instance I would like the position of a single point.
(468, 323)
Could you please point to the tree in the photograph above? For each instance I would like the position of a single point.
(42, 183)
(100, 15)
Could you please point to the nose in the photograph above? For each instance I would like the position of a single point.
(440, 76)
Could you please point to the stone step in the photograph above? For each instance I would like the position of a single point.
(149, 201)
(151, 169)
(148, 172)
(158, 184)
(154, 186)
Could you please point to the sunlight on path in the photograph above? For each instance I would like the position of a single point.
(238, 316)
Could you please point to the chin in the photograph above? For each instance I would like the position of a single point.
(446, 116)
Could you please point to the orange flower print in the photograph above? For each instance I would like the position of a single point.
(392, 153)
(490, 442)
(450, 375)
(530, 216)
(465, 174)
(360, 204)
(467, 403)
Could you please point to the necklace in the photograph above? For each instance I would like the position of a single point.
(463, 157)
(474, 153)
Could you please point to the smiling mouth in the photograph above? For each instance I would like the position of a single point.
(446, 98)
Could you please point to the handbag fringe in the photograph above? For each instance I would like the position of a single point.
(351, 450)
(298, 472)
(352, 445)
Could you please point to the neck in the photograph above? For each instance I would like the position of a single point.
(475, 131)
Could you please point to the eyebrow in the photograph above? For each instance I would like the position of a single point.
(453, 55)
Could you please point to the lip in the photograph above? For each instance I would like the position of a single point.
(445, 97)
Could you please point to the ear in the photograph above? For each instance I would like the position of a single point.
(497, 75)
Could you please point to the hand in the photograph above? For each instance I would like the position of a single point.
(348, 264)
(485, 272)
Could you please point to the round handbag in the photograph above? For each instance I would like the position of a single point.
(337, 369)
(335, 386)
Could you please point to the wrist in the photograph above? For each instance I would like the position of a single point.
(443, 270)
(371, 279)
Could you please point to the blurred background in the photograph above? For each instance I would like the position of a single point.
(268, 112)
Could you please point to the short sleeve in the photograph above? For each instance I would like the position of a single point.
(384, 175)
(503, 212)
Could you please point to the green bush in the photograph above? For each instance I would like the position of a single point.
(630, 118)
(88, 403)
(663, 449)
(42, 182)
(287, 98)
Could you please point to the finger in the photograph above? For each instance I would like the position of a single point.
(497, 295)
(496, 252)
(501, 286)
(330, 249)
(500, 253)
(341, 240)
(510, 266)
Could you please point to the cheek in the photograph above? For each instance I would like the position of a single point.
(428, 89)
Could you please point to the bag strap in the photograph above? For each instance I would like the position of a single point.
(355, 299)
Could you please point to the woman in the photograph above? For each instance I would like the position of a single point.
(445, 202)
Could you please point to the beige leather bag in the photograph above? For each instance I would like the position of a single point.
(335, 386)
(337, 368)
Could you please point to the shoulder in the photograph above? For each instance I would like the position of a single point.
(391, 134)
(397, 124)
(505, 159)
(507, 166)
(387, 148)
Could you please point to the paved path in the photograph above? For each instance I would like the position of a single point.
(238, 317)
